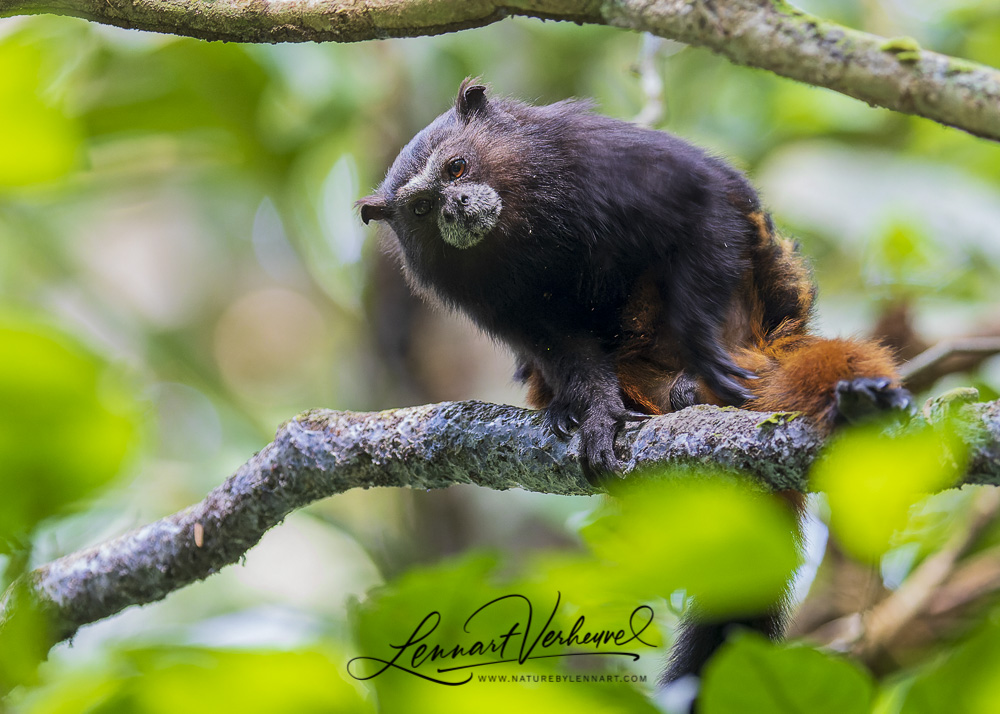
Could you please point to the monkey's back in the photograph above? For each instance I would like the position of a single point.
(617, 204)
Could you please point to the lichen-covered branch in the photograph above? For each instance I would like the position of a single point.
(322, 453)
(769, 34)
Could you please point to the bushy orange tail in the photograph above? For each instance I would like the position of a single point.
(803, 373)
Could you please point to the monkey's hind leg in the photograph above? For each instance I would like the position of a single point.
(834, 381)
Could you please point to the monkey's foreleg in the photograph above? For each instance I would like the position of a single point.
(580, 391)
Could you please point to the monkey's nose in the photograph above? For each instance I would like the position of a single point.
(464, 199)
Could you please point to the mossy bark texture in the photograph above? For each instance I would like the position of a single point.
(322, 453)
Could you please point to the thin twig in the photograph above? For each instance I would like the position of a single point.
(931, 359)
(884, 622)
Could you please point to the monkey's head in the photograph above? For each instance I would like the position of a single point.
(437, 188)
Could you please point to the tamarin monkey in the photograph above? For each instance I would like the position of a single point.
(631, 274)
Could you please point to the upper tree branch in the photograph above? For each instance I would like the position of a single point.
(769, 34)
(322, 453)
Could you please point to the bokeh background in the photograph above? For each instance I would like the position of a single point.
(182, 269)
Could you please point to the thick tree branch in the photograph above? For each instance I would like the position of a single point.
(769, 34)
(322, 453)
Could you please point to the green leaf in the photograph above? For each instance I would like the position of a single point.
(873, 481)
(903, 254)
(173, 679)
(449, 593)
(39, 142)
(25, 639)
(751, 675)
(730, 546)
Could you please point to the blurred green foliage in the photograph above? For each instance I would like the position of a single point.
(468, 601)
(25, 642)
(181, 270)
(751, 674)
(65, 429)
(731, 548)
(964, 681)
(166, 680)
(39, 143)
(873, 481)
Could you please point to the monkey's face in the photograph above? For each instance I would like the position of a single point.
(468, 213)
(432, 192)
(437, 188)
(445, 196)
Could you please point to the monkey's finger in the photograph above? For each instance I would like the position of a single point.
(568, 422)
(634, 416)
(552, 422)
(902, 400)
(599, 464)
(597, 453)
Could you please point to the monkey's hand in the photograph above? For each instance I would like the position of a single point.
(598, 422)
(597, 444)
(597, 431)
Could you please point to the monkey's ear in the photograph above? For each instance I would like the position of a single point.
(373, 208)
(471, 98)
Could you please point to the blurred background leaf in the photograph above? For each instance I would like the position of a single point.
(963, 681)
(872, 483)
(66, 427)
(161, 680)
(473, 600)
(730, 547)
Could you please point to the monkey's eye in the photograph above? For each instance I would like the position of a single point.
(421, 207)
(456, 168)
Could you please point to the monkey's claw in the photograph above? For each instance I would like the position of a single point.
(728, 389)
(863, 398)
(561, 419)
(630, 415)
